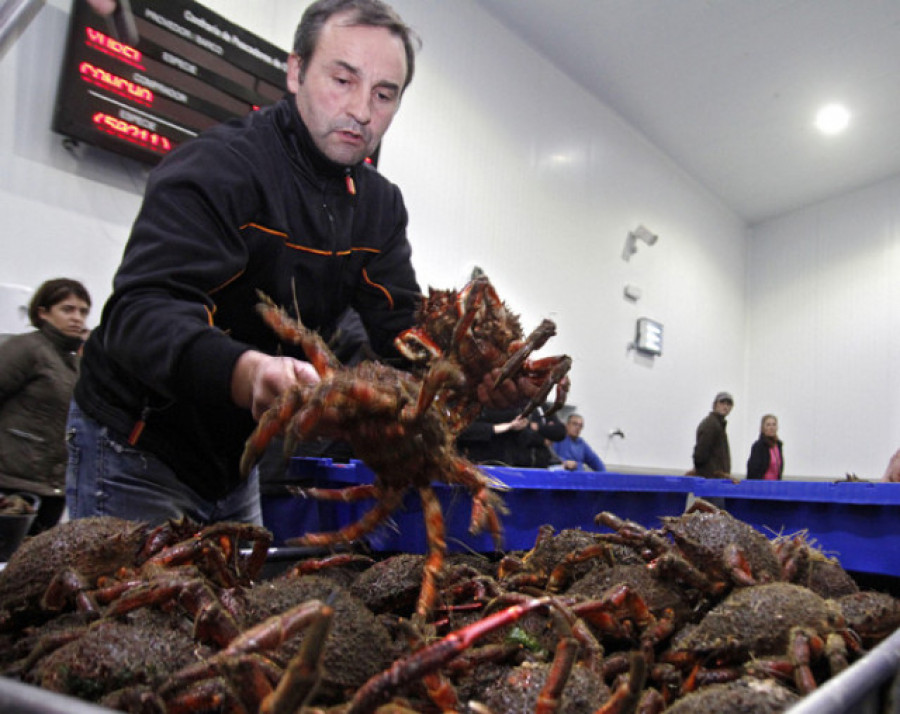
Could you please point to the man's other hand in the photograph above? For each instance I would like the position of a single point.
(259, 379)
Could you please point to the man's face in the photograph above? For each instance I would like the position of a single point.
(574, 426)
(350, 88)
(724, 408)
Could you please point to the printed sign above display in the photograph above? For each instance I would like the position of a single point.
(189, 69)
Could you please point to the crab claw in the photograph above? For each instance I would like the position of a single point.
(535, 341)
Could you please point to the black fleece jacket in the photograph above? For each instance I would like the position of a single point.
(248, 205)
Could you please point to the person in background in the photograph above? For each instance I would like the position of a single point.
(37, 374)
(712, 454)
(766, 457)
(892, 472)
(502, 437)
(574, 451)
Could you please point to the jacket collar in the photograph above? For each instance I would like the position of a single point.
(61, 341)
(302, 146)
(719, 417)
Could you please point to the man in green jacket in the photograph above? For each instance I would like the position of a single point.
(712, 455)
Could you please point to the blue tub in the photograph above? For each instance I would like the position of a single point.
(854, 521)
(535, 497)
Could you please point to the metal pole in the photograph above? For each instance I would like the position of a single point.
(14, 18)
(845, 693)
(26, 699)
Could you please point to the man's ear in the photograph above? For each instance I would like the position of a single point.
(295, 64)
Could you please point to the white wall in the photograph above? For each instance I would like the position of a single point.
(505, 164)
(824, 331)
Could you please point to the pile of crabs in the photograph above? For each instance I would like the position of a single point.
(703, 613)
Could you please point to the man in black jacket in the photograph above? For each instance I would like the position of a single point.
(712, 454)
(280, 201)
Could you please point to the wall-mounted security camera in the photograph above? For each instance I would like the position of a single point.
(638, 234)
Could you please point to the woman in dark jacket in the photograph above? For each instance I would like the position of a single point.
(766, 460)
(37, 374)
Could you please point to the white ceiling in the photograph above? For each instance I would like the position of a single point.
(729, 88)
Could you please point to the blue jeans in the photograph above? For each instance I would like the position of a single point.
(107, 477)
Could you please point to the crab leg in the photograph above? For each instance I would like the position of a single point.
(437, 549)
(295, 332)
(562, 385)
(350, 494)
(304, 671)
(246, 568)
(627, 692)
(563, 661)
(533, 342)
(440, 374)
(555, 378)
(470, 298)
(270, 424)
(369, 522)
(433, 656)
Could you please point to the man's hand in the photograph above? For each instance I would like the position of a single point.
(103, 7)
(259, 379)
(511, 394)
(570, 465)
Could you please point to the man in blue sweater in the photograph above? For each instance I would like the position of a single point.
(574, 451)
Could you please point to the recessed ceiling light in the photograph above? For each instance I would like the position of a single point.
(832, 119)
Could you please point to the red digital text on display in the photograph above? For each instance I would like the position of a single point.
(133, 133)
(112, 82)
(114, 48)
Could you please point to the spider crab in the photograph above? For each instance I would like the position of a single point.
(474, 331)
(709, 548)
(91, 562)
(402, 425)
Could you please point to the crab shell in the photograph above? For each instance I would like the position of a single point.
(92, 546)
(760, 696)
(516, 692)
(756, 622)
(871, 615)
(704, 537)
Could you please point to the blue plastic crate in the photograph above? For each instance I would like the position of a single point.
(854, 521)
(289, 516)
(534, 497)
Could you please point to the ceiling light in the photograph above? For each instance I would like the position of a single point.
(832, 119)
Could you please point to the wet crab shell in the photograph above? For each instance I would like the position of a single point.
(391, 585)
(358, 646)
(703, 538)
(92, 546)
(829, 579)
(517, 691)
(141, 649)
(550, 552)
(743, 696)
(659, 596)
(871, 615)
(756, 621)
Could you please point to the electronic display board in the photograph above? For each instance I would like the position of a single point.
(189, 69)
